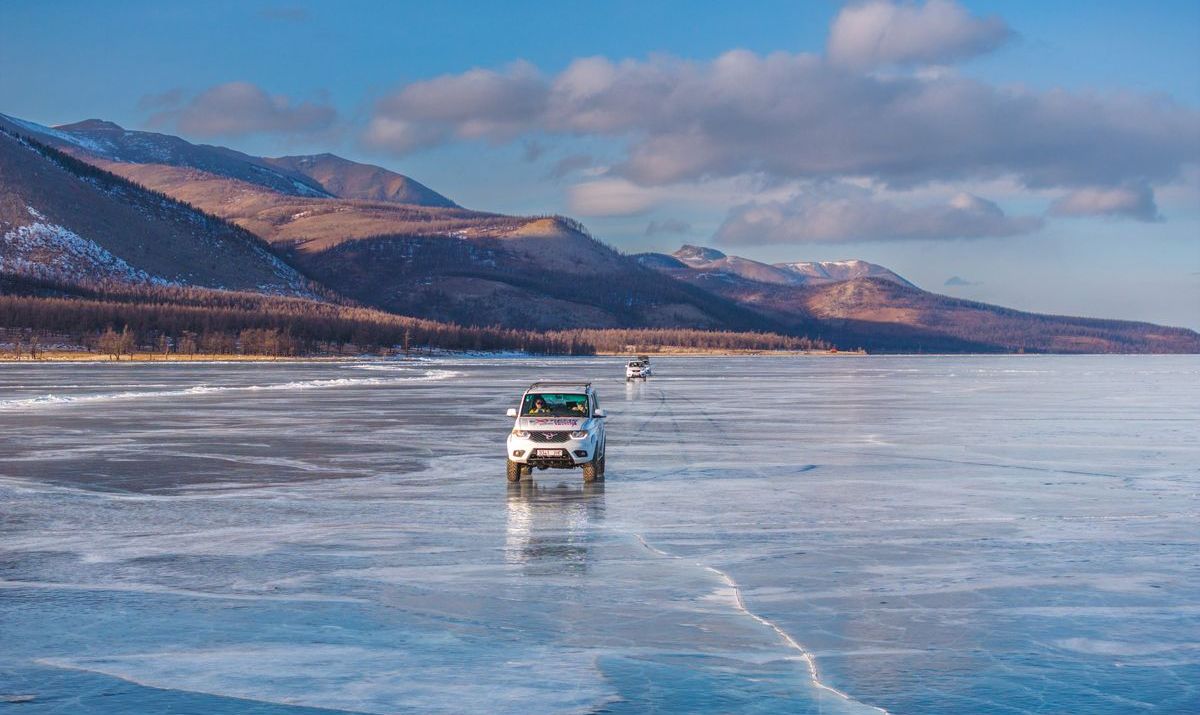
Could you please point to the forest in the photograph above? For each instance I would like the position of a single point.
(117, 320)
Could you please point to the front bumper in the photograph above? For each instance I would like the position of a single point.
(560, 455)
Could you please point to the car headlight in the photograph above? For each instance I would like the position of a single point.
(579, 435)
(520, 434)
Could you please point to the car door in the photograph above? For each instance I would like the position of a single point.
(600, 424)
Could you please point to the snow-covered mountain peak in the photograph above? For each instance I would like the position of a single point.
(698, 254)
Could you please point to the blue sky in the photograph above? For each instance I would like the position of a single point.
(1090, 206)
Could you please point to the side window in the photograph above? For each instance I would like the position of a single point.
(595, 403)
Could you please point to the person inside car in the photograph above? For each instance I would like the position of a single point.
(579, 408)
(539, 407)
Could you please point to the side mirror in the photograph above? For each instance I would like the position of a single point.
(512, 412)
(600, 413)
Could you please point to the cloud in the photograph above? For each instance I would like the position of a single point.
(956, 282)
(883, 32)
(1135, 202)
(477, 104)
(242, 108)
(847, 215)
(160, 101)
(610, 197)
(569, 164)
(799, 117)
(667, 226)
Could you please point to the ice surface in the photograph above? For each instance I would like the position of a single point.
(821, 535)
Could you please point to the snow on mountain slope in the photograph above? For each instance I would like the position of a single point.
(318, 176)
(712, 260)
(800, 273)
(834, 271)
(51, 252)
(62, 219)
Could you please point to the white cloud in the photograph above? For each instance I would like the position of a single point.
(477, 104)
(611, 197)
(570, 164)
(1135, 202)
(846, 214)
(669, 225)
(883, 32)
(788, 116)
(238, 109)
(617, 196)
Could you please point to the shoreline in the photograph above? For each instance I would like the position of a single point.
(65, 356)
(83, 357)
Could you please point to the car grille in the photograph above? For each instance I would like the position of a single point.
(549, 436)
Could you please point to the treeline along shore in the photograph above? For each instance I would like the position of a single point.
(40, 319)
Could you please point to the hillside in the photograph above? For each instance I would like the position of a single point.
(798, 273)
(436, 261)
(351, 180)
(92, 202)
(885, 312)
(64, 220)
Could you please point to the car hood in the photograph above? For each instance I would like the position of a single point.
(551, 424)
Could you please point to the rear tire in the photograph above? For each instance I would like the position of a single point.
(514, 471)
(589, 471)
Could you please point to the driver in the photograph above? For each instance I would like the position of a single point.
(579, 407)
(539, 406)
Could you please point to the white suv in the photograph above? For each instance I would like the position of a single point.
(560, 425)
(638, 368)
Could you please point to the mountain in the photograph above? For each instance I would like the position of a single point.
(818, 272)
(94, 203)
(436, 261)
(322, 176)
(351, 180)
(801, 273)
(65, 221)
(855, 303)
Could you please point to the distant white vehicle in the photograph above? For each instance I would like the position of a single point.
(559, 425)
(639, 368)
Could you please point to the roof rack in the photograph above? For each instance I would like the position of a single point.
(560, 383)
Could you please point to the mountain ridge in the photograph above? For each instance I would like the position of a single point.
(446, 263)
(99, 139)
(792, 273)
(64, 219)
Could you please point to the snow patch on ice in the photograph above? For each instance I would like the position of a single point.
(368, 679)
(50, 400)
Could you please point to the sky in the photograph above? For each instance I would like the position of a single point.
(1042, 156)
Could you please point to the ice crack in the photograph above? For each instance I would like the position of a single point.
(740, 603)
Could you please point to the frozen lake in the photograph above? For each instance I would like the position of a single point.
(775, 535)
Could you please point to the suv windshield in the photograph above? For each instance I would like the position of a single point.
(553, 404)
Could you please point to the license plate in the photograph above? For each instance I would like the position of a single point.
(549, 452)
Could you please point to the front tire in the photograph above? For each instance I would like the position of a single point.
(590, 471)
(514, 471)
